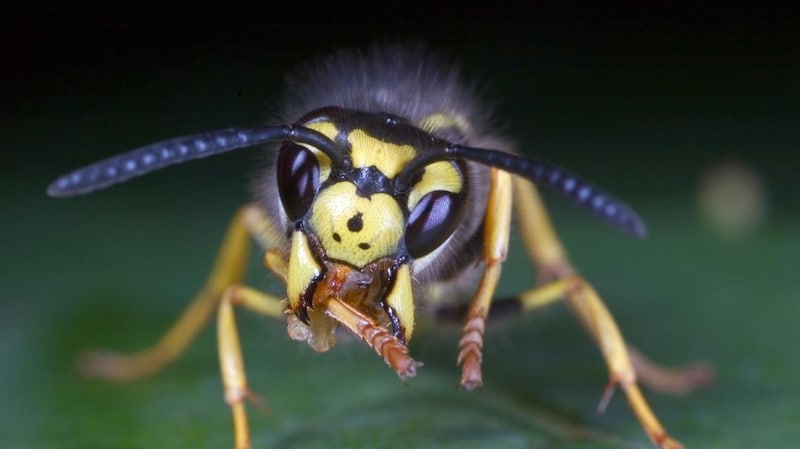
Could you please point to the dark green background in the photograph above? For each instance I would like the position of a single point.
(642, 101)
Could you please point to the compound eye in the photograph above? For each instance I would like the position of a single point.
(298, 179)
(435, 217)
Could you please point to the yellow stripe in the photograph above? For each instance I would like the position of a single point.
(442, 175)
(387, 157)
(438, 121)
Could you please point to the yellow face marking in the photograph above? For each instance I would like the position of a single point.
(355, 229)
(325, 128)
(401, 300)
(387, 157)
(442, 175)
(438, 121)
(329, 130)
(323, 160)
(303, 268)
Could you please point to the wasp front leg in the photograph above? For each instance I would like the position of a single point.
(562, 281)
(229, 269)
(234, 378)
(222, 292)
(496, 231)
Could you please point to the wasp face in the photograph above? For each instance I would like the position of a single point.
(358, 223)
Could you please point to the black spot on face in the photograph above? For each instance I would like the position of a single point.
(337, 237)
(364, 245)
(355, 223)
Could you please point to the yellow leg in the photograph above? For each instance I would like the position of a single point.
(228, 269)
(234, 379)
(540, 237)
(588, 306)
(679, 380)
(666, 380)
(496, 231)
(549, 256)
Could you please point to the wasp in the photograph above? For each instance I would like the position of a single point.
(386, 186)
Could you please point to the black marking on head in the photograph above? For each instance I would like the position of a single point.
(398, 330)
(307, 298)
(355, 223)
(337, 237)
(364, 246)
(369, 180)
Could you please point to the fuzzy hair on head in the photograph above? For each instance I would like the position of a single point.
(408, 81)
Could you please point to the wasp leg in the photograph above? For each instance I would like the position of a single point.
(590, 309)
(496, 230)
(234, 379)
(229, 269)
(659, 378)
(550, 257)
(680, 380)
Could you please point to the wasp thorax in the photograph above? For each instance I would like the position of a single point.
(355, 229)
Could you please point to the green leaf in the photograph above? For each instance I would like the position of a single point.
(114, 272)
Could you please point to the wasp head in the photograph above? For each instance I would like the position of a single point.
(357, 219)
